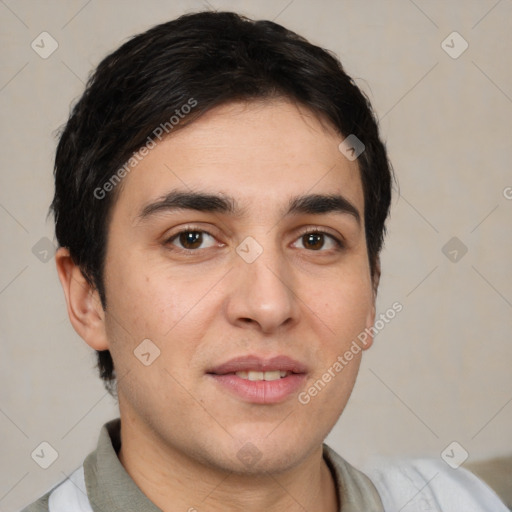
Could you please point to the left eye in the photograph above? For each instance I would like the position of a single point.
(316, 240)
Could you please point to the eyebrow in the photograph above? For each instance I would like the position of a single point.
(314, 204)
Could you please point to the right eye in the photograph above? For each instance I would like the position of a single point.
(190, 239)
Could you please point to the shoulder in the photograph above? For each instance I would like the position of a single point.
(417, 484)
(40, 505)
(68, 496)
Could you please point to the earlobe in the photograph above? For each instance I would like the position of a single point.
(83, 303)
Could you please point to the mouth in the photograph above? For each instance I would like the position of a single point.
(254, 375)
(258, 380)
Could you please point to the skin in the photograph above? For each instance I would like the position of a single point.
(181, 432)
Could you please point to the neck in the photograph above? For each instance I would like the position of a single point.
(173, 480)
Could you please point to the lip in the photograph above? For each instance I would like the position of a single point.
(260, 364)
(260, 392)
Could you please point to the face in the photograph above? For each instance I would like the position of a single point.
(251, 284)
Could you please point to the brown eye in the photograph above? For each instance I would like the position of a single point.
(316, 241)
(313, 240)
(190, 239)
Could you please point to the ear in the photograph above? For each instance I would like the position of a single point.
(376, 278)
(83, 302)
(370, 320)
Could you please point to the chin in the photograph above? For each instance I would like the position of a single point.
(260, 455)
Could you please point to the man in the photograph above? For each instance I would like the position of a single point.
(220, 206)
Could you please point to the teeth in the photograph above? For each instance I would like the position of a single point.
(254, 375)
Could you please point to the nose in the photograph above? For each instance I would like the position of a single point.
(261, 292)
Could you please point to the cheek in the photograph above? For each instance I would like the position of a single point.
(338, 351)
(149, 302)
(145, 298)
(344, 305)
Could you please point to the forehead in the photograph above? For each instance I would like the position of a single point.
(262, 153)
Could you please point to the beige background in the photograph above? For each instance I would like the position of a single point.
(439, 372)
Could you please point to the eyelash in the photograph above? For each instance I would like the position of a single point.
(188, 229)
